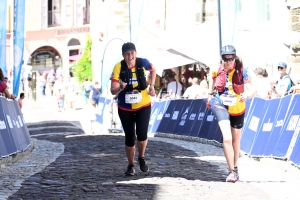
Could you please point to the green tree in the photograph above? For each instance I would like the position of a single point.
(84, 66)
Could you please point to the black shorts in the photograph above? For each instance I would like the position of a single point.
(135, 123)
(235, 121)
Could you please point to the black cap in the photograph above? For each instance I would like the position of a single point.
(128, 47)
(228, 50)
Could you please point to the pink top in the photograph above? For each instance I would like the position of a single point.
(3, 86)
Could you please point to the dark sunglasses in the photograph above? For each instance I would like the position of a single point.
(228, 59)
(280, 68)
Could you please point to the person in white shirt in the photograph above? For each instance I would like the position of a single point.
(261, 84)
(193, 91)
(174, 88)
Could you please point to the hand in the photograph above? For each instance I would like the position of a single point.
(151, 90)
(243, 98)
(208, 105)
(123, 85)
(292, 89)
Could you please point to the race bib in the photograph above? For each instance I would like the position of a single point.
(228, 100)
(133, 97)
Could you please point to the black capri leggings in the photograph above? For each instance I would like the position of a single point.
(132, 120)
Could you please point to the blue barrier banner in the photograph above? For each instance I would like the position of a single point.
(206, 124)
(288, 129)
(17, 122)
(282, 111)
(7, 145)
(162, 109)
(295, 155)
(99, 110)
(23, 131)
(254, 122)
(154, 112)
(201, 106)
(3, 19)
(179, 107)
(163, 126)
(19, 23)
(191, 118)
(183, 118)
(12, 140)
(248, 111)
(264, 132)
(212, 130)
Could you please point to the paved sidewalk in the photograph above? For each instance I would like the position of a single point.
(71, 163)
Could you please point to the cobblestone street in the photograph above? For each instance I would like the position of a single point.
(68, 162)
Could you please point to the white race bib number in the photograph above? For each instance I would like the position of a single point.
(228, 100)
(133, 97)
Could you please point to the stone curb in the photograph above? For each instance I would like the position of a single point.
(17, 156)
(287, 166)
(189, 138)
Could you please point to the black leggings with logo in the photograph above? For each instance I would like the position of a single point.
(135, 121)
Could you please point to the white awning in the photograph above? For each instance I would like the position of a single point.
(201, 43)
(166, 60)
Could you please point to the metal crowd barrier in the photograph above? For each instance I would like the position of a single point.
(271, 127)
(14, 135)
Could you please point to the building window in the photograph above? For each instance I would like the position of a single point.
(86, 12)
(263, 11)
(54, 13)
(73, 42)
(44, 59)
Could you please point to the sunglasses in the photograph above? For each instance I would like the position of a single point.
(280, 68)
(228, 59)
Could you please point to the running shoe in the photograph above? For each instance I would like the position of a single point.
(237, 173)
(143, 166)
(231, 177)
(130, 170)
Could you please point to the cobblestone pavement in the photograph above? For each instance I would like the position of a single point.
(70, 163)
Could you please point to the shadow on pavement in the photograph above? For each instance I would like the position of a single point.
(93, 166)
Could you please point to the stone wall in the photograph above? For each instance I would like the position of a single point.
(210, 10)
(294, 58)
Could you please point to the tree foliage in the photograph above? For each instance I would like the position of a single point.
(84, 66)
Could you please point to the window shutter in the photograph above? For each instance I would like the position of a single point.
(67, 13)
(79, 12)
(44, 14)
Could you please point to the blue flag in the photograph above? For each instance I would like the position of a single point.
(19, 20)
(3, 18)
(228, 20)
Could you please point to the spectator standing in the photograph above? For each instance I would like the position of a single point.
(60, 89)
(261, 84)
(42, 83)
(3, 87)
(174, 87)
(95, 93)
(193, 91)
(284, 83)
(71, 92)
(20, 100)
(51, 81)
(87, 87)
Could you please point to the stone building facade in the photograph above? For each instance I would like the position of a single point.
(294, 45)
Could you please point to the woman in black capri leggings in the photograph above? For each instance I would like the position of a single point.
(134, 104)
